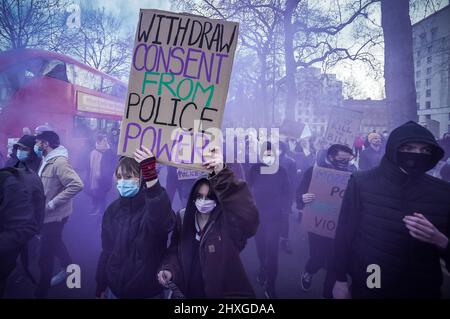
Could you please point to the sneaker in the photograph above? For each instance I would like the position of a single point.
(306, 281)
(59, 277)
(270, 293)
(285, 244)
(261, 276)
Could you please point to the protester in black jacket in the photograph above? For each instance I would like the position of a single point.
(372, 154)
(395, 218)
(23, 154)
(290, 167)
(271, 191)
(19, 220)
(135, 231)
(321, 247)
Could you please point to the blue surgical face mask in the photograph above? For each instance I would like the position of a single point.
(127, 187)
(38, 151)
(22, 155)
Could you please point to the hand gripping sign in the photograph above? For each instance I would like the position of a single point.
(178, 85)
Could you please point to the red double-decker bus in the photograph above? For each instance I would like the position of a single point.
(39, 87)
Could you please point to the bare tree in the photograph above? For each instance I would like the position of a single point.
(30, 23)
(101, 42)
(258, 29)
(350, 88)
(398, 61)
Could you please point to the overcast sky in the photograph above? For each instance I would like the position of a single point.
(368, 86)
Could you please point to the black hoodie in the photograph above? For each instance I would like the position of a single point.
(371, 228)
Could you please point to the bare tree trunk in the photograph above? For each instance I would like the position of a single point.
(398, 61)
(263, 100)
(291, 95)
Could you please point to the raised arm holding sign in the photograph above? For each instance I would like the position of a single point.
(178, 86)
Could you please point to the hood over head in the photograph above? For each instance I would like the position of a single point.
(411, 132)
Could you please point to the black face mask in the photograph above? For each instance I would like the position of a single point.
(414, 163)
(340, 164)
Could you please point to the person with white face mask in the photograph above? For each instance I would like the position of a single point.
(272, 197)
(61, 184)
(219, 217)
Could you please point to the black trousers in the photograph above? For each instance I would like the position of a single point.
(267, 239)
(284, 228)
(321, 254)
(52, 246)
(7, 265)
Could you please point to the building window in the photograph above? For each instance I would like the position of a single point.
(434, 33)
(418, 53)
(429, 59)
(428, 116)
(418, 95)
(428, 104)
(428, 82)
(428, 93)
(417, 84)
(418, 105)
(423, 38)
(429, 70)
(417, 74)
(429, 49)
(418, 62)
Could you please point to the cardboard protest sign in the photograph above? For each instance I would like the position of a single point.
(343, 126)
(178, 86)
(184, 174)
(321, 216)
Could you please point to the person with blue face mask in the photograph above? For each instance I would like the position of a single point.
(61, 184)
(23, 154)
(135, 231)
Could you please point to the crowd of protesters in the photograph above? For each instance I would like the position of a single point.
(395, 214)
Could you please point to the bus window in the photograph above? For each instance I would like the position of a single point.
(55, 69)
(70, 73)
(107, 86)
(113, 88)
(6, 90)
(119, 90)
(87, 79)
(16, 76)
(87, 126)
(84, 126)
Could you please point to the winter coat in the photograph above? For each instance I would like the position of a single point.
(135, 231)
(231, 223)
(272, 192)
(61, 184)
(371, 230)
(21, 209)
(370, 158)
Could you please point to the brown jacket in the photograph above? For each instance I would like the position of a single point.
(61, 184)
(233, 221)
